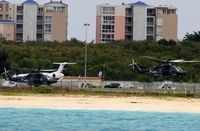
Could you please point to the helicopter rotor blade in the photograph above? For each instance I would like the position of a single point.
(176, 61)
(183, 61)
(153, 58)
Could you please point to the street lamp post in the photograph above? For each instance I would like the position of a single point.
(86, 28)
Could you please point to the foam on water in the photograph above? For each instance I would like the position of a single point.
(95, 120)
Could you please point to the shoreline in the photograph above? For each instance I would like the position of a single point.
(143, 104)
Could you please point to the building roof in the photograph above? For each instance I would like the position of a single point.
(3, 1)
(139, 3)
(7, 21)
(58, 2)
(29, 2)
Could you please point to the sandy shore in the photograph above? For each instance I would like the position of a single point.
(110, 103)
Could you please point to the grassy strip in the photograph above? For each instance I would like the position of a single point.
(84, 92)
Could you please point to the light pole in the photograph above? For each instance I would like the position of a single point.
(86, 28)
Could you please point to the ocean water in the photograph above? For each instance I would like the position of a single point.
(17, 119)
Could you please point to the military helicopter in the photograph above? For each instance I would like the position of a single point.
(165, 70)
(34, 78)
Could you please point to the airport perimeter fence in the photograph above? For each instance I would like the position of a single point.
(166, 87)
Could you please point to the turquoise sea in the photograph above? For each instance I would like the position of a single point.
(17, 119)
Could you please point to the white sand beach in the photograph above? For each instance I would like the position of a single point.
(167, 104)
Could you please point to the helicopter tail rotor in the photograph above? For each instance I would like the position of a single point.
(133, 64)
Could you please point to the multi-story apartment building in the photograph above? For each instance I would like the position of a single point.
(55, 21)
(135, 21)
(36, 22)
(7, 25)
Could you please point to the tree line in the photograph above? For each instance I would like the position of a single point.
(110, 58)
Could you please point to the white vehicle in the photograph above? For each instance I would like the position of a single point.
(126, 85)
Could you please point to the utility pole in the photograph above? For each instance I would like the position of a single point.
(85, 72)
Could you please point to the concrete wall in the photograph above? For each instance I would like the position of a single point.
(170, 27)
(98, 29)
(139, 22)
(119, 28)
(30, 22)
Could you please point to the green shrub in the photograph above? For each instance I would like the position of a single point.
(43, 89)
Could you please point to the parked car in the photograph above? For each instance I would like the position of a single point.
(112, 85)
(126, 85)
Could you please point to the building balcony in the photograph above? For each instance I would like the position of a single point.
(150, 32)
(40, 39)
(40, 13)
(39, 22)
(128, 32)
(128, 23)
(19, 12)
(19, 30)
(129, 15)
(18, 38)
(20, 21)
(39, 31)
(150, 23)
(151, 14)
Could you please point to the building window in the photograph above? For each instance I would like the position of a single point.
(47, 26)
(108, 19)
(50, 9)
(1, 7)
(128, 30)
(159, 31)
(61, 9)
(19, 9)
(149, 30)
(40, 10)
(151, 12)
(108, 28)
(47, 19)
(39, 36)
(150, 21)
(159, 21)
(108, 10)
(107, 37)
(129, 21)
(129, 11)
(150, 38)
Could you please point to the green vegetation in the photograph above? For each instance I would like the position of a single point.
(84, 92)
(43, 89)
(112, 58)
(195, 36)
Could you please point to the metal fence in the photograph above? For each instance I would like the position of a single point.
(165, 87)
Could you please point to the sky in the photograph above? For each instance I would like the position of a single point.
(84, 11)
